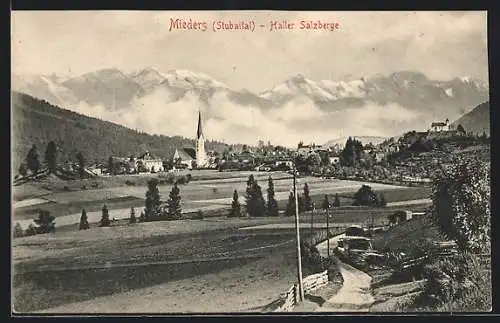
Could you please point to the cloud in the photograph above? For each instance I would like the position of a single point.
(298, 120)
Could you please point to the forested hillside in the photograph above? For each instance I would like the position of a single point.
(38, 122)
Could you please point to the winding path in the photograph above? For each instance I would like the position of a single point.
(355, 292)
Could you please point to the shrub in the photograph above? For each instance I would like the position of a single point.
(84, 223)
(198, 215)
(30, 231)
(461, 204)
(94, 185)
(66, 189)
(18, 231)
(189, 177)
(181, 180)
(365, 196)
(105, 221)
(45, 222)
(129, 183)
(132, 219)
(458, 280)
(235, 206)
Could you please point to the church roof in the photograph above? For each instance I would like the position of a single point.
(438, 124)
(187, 153)
(199, 133)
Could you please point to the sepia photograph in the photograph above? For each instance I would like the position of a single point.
(207, 162)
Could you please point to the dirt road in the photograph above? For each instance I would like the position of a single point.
(355, 292)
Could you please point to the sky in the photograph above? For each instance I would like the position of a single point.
(442, 45)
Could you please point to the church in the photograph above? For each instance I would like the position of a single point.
(193, 157)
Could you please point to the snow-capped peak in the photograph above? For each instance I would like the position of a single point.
(188, 78)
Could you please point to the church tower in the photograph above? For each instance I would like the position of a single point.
(201, 155)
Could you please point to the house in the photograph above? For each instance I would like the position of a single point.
(334, 159)
(148, 163)
(185, 157)
(440, 126)
(400, 217)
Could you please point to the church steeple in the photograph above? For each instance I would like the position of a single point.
(201, 155)
(199, 133)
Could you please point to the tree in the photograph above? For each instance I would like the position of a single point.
(152, 198)
(142, 217)
(256, 205)
(84, 223)
(461, 204)
(51, 156)
(105, 222)
(33, 160)
(18, 231)
(30, 231)
(336, 201)
(326, 204)
(174, 203)
(111, 165)
(23, 170)
(45, 222)
(307, 199)
(290, 207)
(365, 196)
(461, 129)
(235, 206)
(132, 216)
(81, 164)
(272, 204)
(382, 201)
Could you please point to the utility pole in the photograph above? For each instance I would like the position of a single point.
(312, 221)
(327, 233)
(297, 230)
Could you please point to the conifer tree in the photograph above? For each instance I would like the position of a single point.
(132, 216)
(256, 205)
(152, 199)
(18, 231)
(307, 199)
(84, 223)
(235, 206)
(174, 203)
(33, 160)
(105, 222)
(81, 165)
(272, 204)
(45, 222)
(51, 156)
(23, 170)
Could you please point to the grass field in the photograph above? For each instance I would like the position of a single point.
(256, 261)
(163, 266)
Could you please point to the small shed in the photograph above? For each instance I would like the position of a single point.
(400, 216)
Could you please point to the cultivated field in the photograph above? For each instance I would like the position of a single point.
(217, 264)
(204, 195)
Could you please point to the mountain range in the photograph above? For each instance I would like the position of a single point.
(294, 110)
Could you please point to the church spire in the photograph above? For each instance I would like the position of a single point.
(200, 129)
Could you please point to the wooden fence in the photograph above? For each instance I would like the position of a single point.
(311, 283)
(290, 298)
(315, 281)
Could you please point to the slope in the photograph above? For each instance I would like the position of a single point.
(477, 120)
(38, 122)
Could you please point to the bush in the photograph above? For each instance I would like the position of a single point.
(366, 196)
(18, 231)
(45, 222)
(461, 204)
(30, 231)
(198, 215)
(129, 183)
(66, 189)
(189, 178)
(457, 281)
(182, 180)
